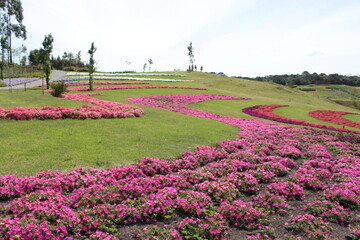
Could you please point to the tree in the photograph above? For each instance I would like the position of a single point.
(91, 66)
(19, 52)
(4, 46)
(144, 67)
(150, 62)
(45, 56)
(191, 56)
(35, 57)
(11, 13)
(78, 58)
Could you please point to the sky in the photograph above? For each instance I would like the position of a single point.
(237, 37)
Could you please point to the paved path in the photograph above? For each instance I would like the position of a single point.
(55, 75)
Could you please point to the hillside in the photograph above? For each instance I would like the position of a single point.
(67, 144)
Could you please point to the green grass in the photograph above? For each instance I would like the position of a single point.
(27, 147)
(352, 117)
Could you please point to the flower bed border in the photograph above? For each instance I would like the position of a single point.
(265, 112)
(334, 117)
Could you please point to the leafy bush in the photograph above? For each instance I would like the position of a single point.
(308, 89)
(2, 84)
(58, 89)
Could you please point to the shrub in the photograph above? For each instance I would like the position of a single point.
(58, 89)
(308, 89)
(2, 84)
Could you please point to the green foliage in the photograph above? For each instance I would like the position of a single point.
(11, 13)
(307, 89)
(150, 61)
(306, 78)
(35, 57)
(58, 89)
(2, 84)
(154, 233)
(45, 56)
(91, 66)
(68, 62)
(191, 56)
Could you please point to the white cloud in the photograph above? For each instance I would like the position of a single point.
(238, 37)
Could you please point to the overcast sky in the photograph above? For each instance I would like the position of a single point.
(237, 37)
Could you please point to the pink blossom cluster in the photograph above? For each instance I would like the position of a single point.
(239, 185)
(104, 109)
(334, 117)
(265, 112)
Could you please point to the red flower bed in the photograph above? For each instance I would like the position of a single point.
(265, 112)
(104, 109)
(334, 117)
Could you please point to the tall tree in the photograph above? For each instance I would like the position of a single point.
(191, 56)
(4, 46)
(144, 67)
(150, 62)
(11, 13)
(45, 56)
(91, 66)
(78, 58)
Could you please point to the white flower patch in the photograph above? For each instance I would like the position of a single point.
(79, 78)
(123, 74)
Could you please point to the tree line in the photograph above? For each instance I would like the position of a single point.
(66, 61)
(306, 78)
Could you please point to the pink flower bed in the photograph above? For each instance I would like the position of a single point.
(104, 109)
(129, 87)
(265, 112)
(334, 117)
(241, 186)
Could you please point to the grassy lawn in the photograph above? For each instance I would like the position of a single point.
(27, 147)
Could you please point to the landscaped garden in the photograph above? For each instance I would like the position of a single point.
(203, 157)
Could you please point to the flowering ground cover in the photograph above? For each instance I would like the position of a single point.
(265, 112)
(270, 182)
(334, 117)
(104, 109)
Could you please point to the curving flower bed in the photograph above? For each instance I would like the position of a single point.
(334, 117)
(271, 182)
(104, 109)
(265, 112)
